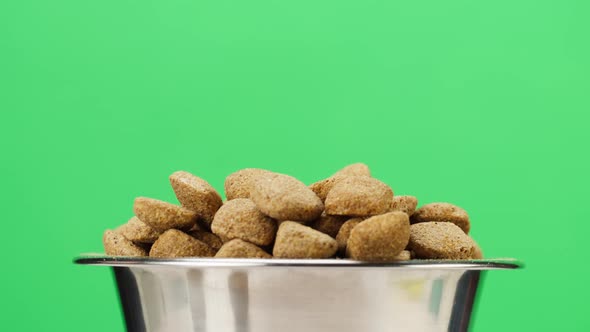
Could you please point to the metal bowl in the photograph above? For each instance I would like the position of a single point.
(271, 295)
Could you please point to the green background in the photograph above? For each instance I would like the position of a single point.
(480, 103)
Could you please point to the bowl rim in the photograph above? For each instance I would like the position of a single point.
(116, 261)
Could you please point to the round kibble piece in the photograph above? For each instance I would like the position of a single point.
(241, 219)
(162, 215)
(406, 204)
(137, 231)
(196, 194)
(115, 244)
(442, 212)
(322, 187)
(237, 248)
(344, 234)
(210, 239)
(285, 198)
(359, 196)
(239, 184)
(299, 241)
(440, 240)
(329, 224)
(174, 243)
(379, 238)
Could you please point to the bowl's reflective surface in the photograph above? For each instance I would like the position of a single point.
(271, 295)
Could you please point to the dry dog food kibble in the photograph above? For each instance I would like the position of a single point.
(283, 197)
(210, 239)
(137, 231)
(299, 241)
(174, 243)
(359, 196)
(344, 234)
(329, 224)
(239, 184)
(379, 238)
(271, 215)
(237, 248)
(115, 244)
(241, 219)
(196, 194)
(442, 212)
(321, 188)
(162, 215)
(406, 204)
(440, 240)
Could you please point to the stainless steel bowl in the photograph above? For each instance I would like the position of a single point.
(271, 295)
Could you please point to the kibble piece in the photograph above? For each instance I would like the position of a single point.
(405, 255)
(299, 241)
(174, 243)
(406, 204)
(210, 239)
(162, 215)
(359, 196)
(241, 219)
(440, 240)
(344, 234)
(115, 244)
(322, 187)
(329, 224)
(285, 198)
(239, 184)
(137, 231)
(442, 212)
(379, 238)
(196, 194)
(237, 248)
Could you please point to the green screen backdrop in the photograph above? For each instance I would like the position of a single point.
(480, 103)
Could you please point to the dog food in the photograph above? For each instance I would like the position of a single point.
(299, 241)
(350, 215)
(241, 219)
(174, 243)
(442, 212)
(237, 248)
(379, 238)
(440, 240)
(196, 195)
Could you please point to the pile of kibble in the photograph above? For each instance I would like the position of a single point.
(267, 214)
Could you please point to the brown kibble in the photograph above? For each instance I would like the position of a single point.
(405, 255)
(241, 219)
(174, 243)
(137, 231)
(239, 184)
(285, 198)
(442, 212)
(329, 224)
(298, 241)
(379, 238)
(359, 196)
(344, 234)
(162, 215)
(322, 187)
(440, 240)
(237, 248)
(406, 204)
(210, 239)
(115, 244)
(196, 194)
